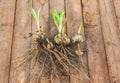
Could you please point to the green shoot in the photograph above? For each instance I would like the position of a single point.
(80, 27)
(58, 19)
(36, 16)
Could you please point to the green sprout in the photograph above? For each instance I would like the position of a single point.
(61, 37)
(58, 19)
(80, 27)
(39, 35)
(36, 16)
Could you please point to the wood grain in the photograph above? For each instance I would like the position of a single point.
(95, 44)
(74, 17)
(21, 43)
(111, 38)
(116, 9)
(6, 31)
(116, 5)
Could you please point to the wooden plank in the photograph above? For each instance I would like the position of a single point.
(59, 6)
(117, 12)
(111, 37)
(74, 17)
(7, 9)
(96, 52)
(44, 17)
(21, 43)
(116, 4)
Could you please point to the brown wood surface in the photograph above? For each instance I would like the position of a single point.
(117, 11)
(21, 43)
(6, 31)
(96, 52)
(101, 19)
(110, 31)
(116, 5)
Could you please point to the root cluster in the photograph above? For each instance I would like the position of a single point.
(52, 60)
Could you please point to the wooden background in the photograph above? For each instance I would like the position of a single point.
(101, 20)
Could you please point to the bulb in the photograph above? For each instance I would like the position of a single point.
(62, 39)
(57, 38)
(65, 39)
(77, 39)
(39, 35)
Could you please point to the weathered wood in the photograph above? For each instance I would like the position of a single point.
(59, 6)
(21, 43)
(117, 12)
(44, 18)
(111, 38)
(74, 17)
(7, 9)
(95, 45)
(102, 36)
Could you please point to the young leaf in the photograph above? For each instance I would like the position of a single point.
(55, 16)
(38, 13)
(80, 27)
(62, 15)
(33, 13)
(58, 19)
(36, 16)
(61, 18)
